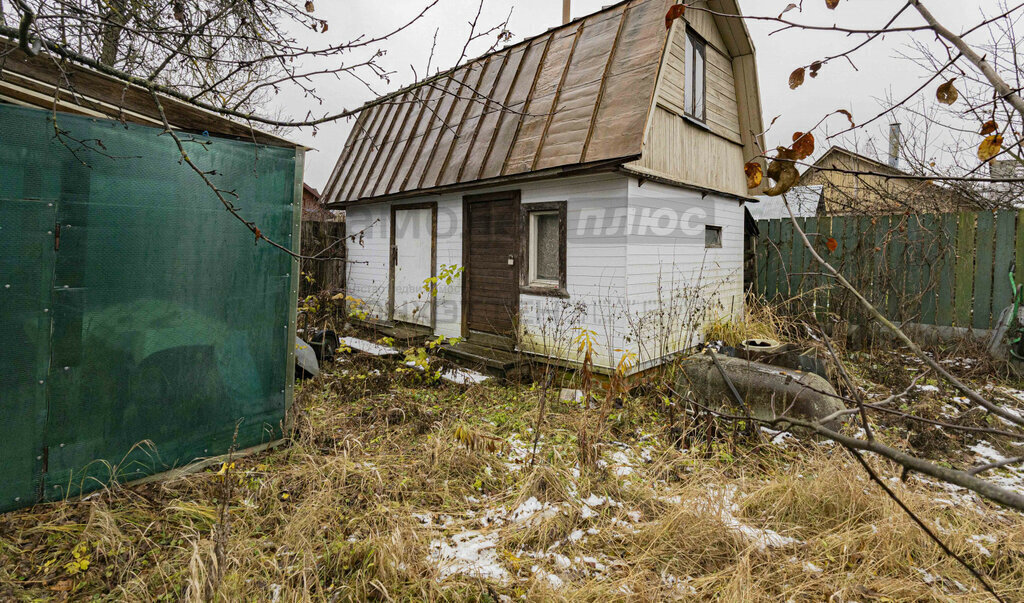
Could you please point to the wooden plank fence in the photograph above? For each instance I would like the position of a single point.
(938, 269)
(325, 241)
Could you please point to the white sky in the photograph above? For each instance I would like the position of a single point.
(838, 86)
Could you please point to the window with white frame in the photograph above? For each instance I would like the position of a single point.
(694, 89)
(544, 247)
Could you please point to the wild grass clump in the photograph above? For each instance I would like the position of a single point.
(761, 321)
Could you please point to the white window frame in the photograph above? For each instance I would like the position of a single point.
(695, 43)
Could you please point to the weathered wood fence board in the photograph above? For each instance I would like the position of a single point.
(942, 269)
(326, 242)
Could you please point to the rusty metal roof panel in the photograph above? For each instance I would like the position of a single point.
(576, 94)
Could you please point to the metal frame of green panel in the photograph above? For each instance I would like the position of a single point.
(293, 311)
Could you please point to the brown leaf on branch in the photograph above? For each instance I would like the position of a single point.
(309, 6)
(803, 145)
(815, 68)
(989, 127)
(848, 115)
(947, 93)
(788, 8)
(674, 13)
(832, 245)
(796, 79)
(832, 4)
(990, 147)
(754, 174)
(783, 171)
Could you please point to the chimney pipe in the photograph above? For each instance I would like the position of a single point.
(565, 11)
(895, 141)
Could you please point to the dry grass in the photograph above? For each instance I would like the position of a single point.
(761, 321)
(355, 508)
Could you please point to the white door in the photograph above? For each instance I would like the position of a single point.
(412, 264)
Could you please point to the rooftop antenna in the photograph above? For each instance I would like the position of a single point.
(565, 11)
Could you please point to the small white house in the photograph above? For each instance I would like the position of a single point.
(585, 182)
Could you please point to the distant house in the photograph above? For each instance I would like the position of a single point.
(588, 180)
(313, 207)
(854, 183)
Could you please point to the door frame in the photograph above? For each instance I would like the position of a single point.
(393, 257)
(467, 200)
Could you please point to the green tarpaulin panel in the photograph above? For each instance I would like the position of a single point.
(151, 327)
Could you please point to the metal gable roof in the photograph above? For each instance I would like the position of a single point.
(576, 95)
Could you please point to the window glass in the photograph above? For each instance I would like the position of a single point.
(545, 247)
(712, 236)
(694, 89)
(688, 84)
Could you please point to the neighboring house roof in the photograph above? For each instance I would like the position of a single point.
(574, 97)
(37, 81)
(803, 200)
(307, 189)
(859, 184)
(825, 161)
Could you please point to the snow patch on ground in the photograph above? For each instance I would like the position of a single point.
(471, 553)
(722, 503)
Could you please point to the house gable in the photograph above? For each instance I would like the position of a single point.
(709, 155)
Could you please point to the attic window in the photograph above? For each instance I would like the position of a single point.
(696, 75)
(544, 241)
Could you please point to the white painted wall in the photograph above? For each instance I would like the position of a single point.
(618, 249)
(675, 284)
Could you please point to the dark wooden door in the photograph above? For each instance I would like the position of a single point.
(491, 259)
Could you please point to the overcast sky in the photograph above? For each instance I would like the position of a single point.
(879, 70)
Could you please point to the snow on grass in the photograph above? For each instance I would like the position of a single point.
(1010, 476)
(471, 553)
(721, 502)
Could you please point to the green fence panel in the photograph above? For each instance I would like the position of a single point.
(811, 268)
(1006, 230)
(822, 300)
(927, 233)
(1019, 272)
(896, 260)
(983, 270)
(946, 262)
(167, 327)
(799, 262)
(771, 255)
(964, 273)
(786, 242)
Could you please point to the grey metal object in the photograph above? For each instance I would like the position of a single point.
(769, 392)
(305, 359)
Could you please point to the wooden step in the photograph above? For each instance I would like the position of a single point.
(482, 356)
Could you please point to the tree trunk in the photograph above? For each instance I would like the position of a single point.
(111, 33)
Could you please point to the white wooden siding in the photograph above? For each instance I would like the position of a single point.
(368, 272)
(673, 282)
